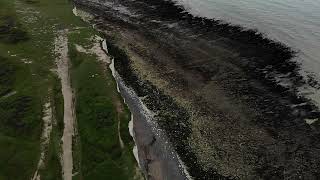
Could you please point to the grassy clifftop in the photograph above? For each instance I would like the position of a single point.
(28, 80)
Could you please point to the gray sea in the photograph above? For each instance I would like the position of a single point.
(295, 23)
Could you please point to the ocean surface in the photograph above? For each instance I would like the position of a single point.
(295, 23)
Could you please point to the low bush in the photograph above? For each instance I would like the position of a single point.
(11, 31)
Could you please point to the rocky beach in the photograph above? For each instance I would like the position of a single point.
(211, 91)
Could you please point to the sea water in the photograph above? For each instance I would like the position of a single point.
(295, 23)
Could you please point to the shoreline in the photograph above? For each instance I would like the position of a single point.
(220, 83)
(149, 139)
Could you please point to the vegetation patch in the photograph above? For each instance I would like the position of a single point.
(20, 125)
(52, 169)
(31, 1)
(58, 106)
(101, 153)
(17, 113)
(27, 31)
(7, 76)
(11, 31)
(17, 155)
(22, 93)
(15, 110)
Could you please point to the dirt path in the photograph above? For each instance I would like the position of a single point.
(62, 61)
(45, 137)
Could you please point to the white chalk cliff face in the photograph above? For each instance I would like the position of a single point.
(153, 151)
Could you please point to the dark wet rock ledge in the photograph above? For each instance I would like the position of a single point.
(214, 89)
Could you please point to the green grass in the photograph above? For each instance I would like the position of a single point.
(7, 78)
(21, 113)
(101, 154)
(20, 123)
(27, 32)
(17, 156)
(52, 170)
(11, 31)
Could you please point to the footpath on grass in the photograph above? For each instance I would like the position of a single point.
(60, 111)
